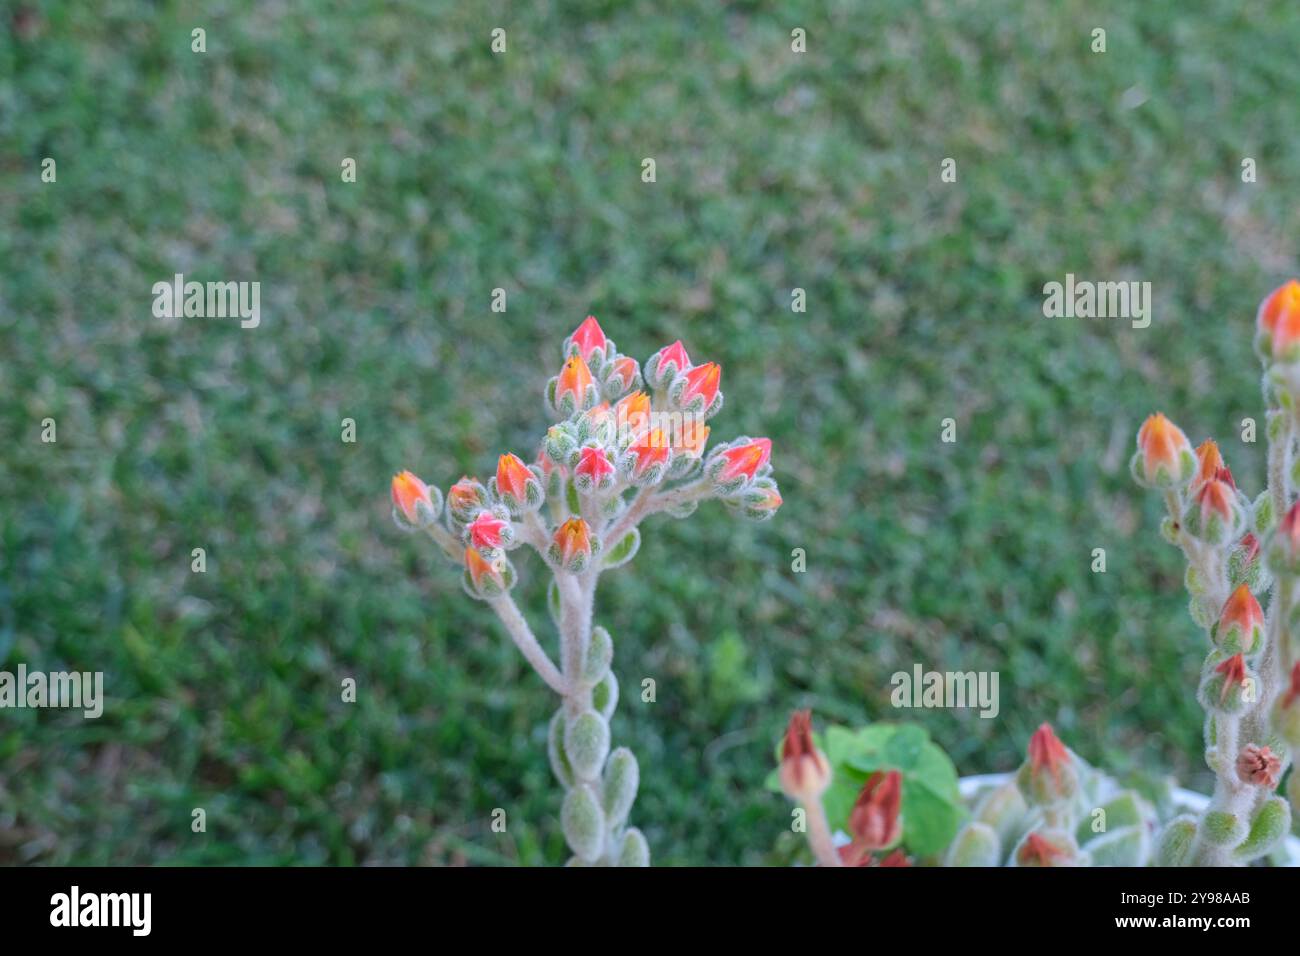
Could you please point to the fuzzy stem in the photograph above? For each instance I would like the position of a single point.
(819, 834)
(522, 635)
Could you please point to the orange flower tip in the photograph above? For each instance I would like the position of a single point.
(697, 389)
(516, 484)
(484, 578)
(744, 461)
(1209, 461)
(573, 544)
(414, 500)
(1164, 457)
(805, 773)
(1277, 305)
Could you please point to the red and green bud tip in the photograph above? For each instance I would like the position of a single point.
(624, 374)
(594, 472)
(1164, 457)
(587, 341)
(489, 532)
(1048, 774)
(874, 822)
(737, 465)
(415, 502)
(645, 460)
(573, 545)
(665, 365)
(1215, 514)
(698, 390)
(516, 484)
(805, 773)
(1240, 628)
(1259, 767)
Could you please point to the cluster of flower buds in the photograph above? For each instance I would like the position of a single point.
(621, 446)
(1237, 550)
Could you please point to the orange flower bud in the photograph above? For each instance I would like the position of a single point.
(414, 502)
(1277, 324)
(484, 578)
(697, 390)
(1215, 513)
(690, 439)
(805, 773)
(1240, 627)
(1259, 767)
(1164, 457)
(573, 390)
(631, 416)
(624, 374)
(466, 498)
(573, 545)
(1208, 461)
(646, 459)
(741, 462)
(516, 485)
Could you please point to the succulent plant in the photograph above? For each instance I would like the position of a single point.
(614, 455)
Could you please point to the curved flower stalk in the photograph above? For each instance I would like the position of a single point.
(623, 446)
(1238, 552)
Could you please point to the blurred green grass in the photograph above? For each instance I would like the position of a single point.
(774, 171)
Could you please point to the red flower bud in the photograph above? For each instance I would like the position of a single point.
(587, 340)
(805, 773)
(1215, 514)
(594, 470)
(1240, 627)
(1164, 457)
(1048, 775)
(665, 365)
(487, 532)
(874, 822)
(743, 461)
(1259, 767)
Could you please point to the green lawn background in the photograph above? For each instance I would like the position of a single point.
(522, 171)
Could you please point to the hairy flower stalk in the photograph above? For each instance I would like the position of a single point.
(615, 455)
(1239, 553)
